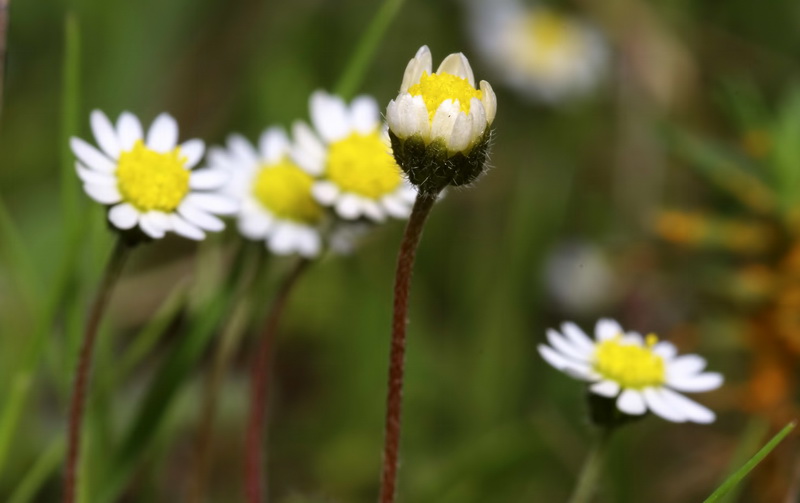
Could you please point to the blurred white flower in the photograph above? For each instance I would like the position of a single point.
(641, 373)
(579, 278)
(274, 193)
(349, 151)
(544, 54)
(148, 181)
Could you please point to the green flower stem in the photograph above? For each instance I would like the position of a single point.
(394, 400)
(110, 276)
(592, 467)
(4, 9)
(259, 387)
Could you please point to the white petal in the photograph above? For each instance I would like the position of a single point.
(573, 368)
(158, 219)
(348, 207)
(185, 229)
(413, 117)
(665, 349)
(91, 157)
(696, 383)
(631, 402)
(634, 338)
(489, 101)
(199, 217)
(364, 115)
(461, 136)
(308, 242)
(150, 228)
(325, 192)
(605, 388)
(307, 151)
(444, 120)
(213, 203)
(457, 64)
(396, 206)
(477, 115)
(692, 410)
(607, 328)
(193, 151)
(284, 240)
(662, 407)
(255, 227)
(329, 116)
(124, 216)
(94, 177)
(242, 151)
(105, 194)
(421, 63)
(129, 130)
(372, 210)
(686, 365)
(273, 144)
(105, 134)
(559, 343)
(208, 179)
(577, 336)
(163, 133)
(219, 158)
(393, 119)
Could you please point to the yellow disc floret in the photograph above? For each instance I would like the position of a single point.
(285, 190)
(550, 31)
(437, 88)
(152, 181)
(630, 365)
(363, 164)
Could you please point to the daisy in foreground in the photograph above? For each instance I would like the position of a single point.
(349, 150)
(147, 180)
(641, 373)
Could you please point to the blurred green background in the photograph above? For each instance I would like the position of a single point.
(568, 225)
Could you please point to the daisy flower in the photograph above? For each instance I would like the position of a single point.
(540, 52)
(641, 373)
(350, 152)
(148, 181)
(274, 192)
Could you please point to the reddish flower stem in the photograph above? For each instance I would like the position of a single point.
(259, 388)
(402, 284)
(110, 276)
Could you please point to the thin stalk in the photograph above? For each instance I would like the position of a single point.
(592, 467)
(402, 284)
(259, 387)
(110, 276)
(4, 9)
(365, 51)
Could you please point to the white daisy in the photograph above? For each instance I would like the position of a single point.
(350, 152)
(444, 105)
(274, 193)
(641, 373)
(148, 180)
(544, 54)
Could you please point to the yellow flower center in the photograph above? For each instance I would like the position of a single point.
(152, 181)
(438, 87)
(628, 364)
(550, 31)
(363, 164)
(285, 190)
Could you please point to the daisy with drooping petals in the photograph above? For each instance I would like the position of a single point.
(642, 373)
(148, 180)
(542, 53)
(274, 193)
(350, 152)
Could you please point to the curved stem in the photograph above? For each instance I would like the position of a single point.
(259, 387)
(110, 275)
(394, 399)
(592, 467)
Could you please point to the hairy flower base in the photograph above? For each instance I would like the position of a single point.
(431, 168)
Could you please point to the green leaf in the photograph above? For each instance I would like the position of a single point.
(742, 472)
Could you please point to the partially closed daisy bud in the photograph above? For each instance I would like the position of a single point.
(149, 181)
(440, 123)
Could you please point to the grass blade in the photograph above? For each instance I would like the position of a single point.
(742, 472)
